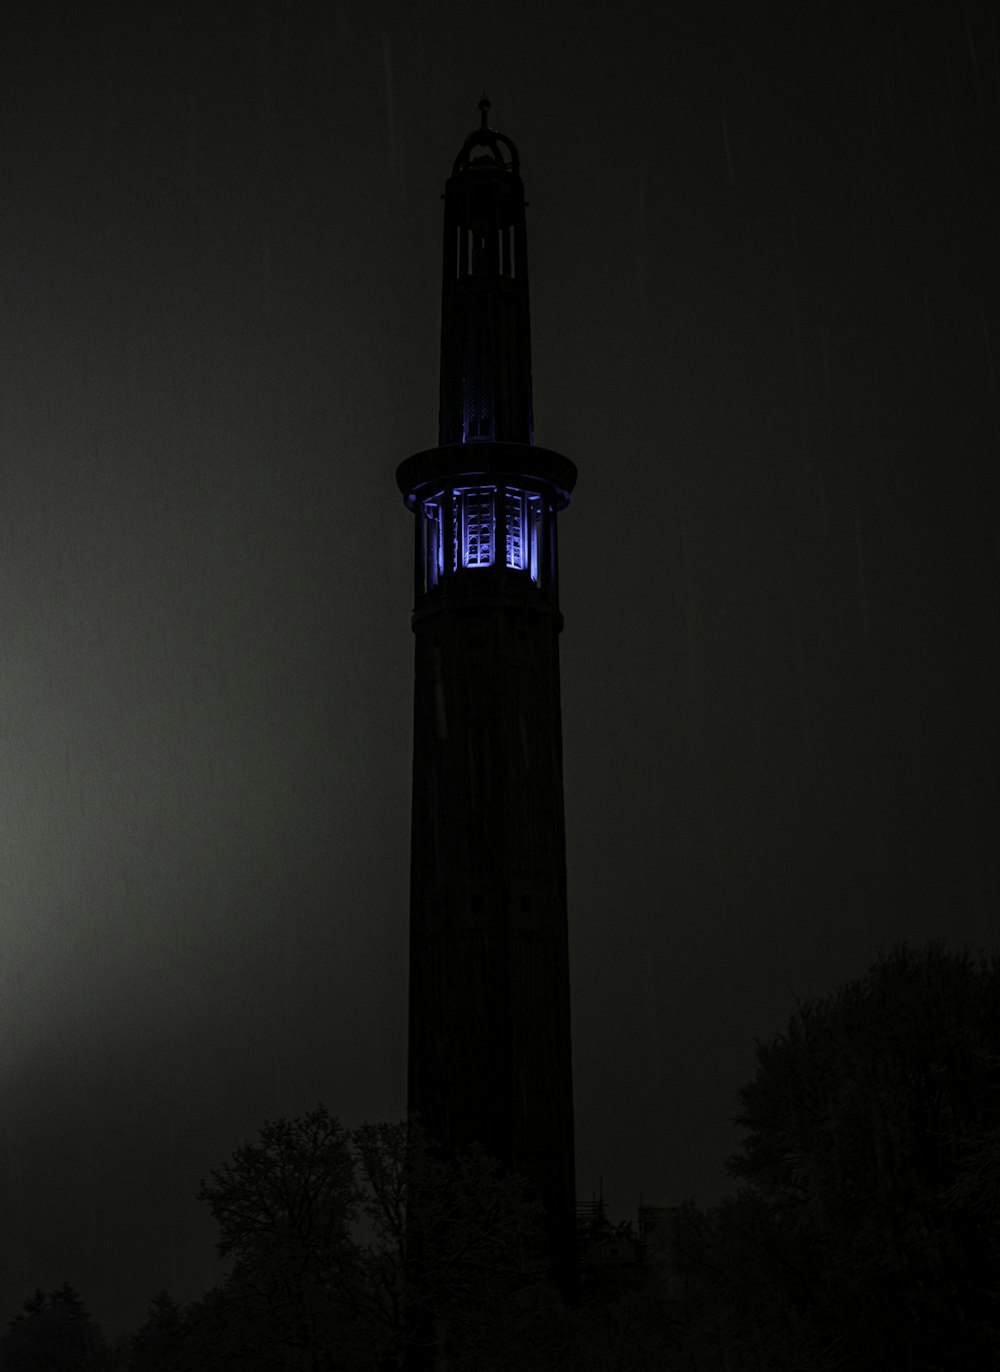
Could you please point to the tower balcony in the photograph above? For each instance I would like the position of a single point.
(486, 523)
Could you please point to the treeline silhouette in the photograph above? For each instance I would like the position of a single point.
(864, 1233)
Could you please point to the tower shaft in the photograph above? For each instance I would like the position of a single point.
(489, 977)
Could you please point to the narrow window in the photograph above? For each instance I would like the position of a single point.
(534, 522)
(516, 542)
(433, 542)
(523, 515)
(479, 262)
(474, 516)
(477, 426)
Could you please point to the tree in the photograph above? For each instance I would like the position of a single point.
(286, 1207)
(158, 1343)
(54, 1333)
(334, 1266)
(455, 1253)
(866, 1233)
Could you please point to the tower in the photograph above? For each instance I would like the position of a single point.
(489, 1018)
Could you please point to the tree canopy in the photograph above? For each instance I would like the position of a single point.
(54, 1331)
(866, 1232)
(334, 1266)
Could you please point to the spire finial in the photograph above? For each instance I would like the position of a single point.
(484, 109)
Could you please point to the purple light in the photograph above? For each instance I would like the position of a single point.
(475, 536)
(475, 515)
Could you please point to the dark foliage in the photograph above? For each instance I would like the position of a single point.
(157, 1344)
(54, 1333)
(334, 1267)
(866, 1234)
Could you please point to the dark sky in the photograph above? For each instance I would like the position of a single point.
(763, 243)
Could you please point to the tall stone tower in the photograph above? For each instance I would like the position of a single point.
(489, 1020)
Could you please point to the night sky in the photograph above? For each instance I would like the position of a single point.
(764, 286)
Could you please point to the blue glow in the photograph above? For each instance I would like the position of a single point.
(433, 541)
(475, 535)
(475, 515)
(524, 527)
(535, 534)
(477, 424)
(516, 540)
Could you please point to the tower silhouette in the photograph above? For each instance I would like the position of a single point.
(489, 1016)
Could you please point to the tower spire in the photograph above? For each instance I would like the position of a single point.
(485, 330)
